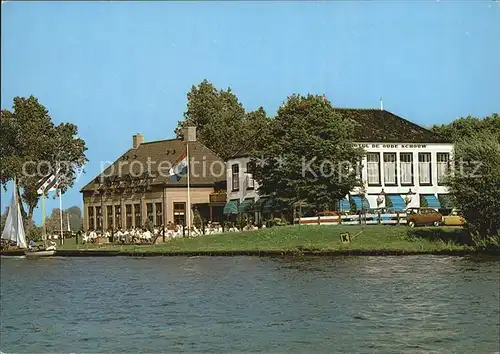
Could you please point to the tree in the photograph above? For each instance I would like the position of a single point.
(309, 155)
(475, 181)
(3, 218)
(31, 147)
(53, 222)
(467, 127)
(218, 117)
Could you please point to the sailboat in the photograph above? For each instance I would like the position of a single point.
(13, 231)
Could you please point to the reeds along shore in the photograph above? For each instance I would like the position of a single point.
(301, 240)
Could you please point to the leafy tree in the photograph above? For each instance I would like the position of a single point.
(221, 122)
(31, 147)
(256, 132)
(475, 181)
(3, 218)
(309, 155)
(53, 222)
(468, 126)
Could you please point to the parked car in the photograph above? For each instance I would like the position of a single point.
(423, 216)
(328, 213)
(455, 218)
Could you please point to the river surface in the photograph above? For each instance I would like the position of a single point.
(242, 304)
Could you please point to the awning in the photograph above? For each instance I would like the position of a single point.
(432, 201)
(446, 201)
(231, 207)
(246, 206)
(360, 204)
(395, 201)
(264, 205)
(345, 205)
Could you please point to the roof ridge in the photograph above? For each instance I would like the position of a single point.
(159, 141)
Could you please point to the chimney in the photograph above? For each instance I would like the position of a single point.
(137, 140)
(190, 133)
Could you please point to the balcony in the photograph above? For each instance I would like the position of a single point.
(218, 198)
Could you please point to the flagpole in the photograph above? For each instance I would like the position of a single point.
(44, 229)
(61, 215)
(188, 189)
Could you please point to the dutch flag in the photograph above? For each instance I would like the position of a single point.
(180, 168)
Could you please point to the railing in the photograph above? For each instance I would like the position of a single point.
(369, 219)
(218, 197)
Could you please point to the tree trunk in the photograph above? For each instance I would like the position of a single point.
(29, 220)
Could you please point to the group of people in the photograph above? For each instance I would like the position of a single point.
(143, 235)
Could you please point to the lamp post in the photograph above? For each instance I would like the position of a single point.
(408, 197)
(362, 194)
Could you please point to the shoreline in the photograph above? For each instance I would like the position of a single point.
(291, 253)
(296, 241)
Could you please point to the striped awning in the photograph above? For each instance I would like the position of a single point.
(231, 207)
(446, 201)
(361, 202)
(432, 201)
(245, 206)
(345, 205)
(395, 201)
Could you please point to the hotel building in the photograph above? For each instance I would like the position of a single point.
(404, 166)
(125, 195)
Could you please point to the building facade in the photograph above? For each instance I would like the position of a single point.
(404, 166)
(242, 189)
(129, 194)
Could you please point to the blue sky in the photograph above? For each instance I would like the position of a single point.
(118, 68)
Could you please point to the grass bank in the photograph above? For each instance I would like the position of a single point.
(376, 239)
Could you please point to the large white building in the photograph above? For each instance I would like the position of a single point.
(403, 167)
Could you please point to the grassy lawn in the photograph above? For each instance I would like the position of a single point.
(307, 238)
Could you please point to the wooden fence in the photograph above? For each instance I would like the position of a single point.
(368, 219)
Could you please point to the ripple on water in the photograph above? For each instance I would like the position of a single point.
(346, 304)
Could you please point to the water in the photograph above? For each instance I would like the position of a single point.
(243, 304)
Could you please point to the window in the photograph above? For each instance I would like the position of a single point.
(149, 209)
(235, 175)
(390, 168)
(98, 212)
(109, 215)
(118, 216)
(249, 177)
(443, 165)
(137, 212)
(180, 213)
(424, 168)
(373, 168)
(406, 167)
(159, 214)
(90, 211)
(128, 210)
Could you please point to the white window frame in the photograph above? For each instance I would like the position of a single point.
(390, 168)
(406, 169)
(443, 166)
(373, 168)
(425, 168)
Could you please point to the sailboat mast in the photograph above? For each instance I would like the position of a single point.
(44, 229)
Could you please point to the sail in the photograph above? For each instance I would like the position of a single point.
(14, 229)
